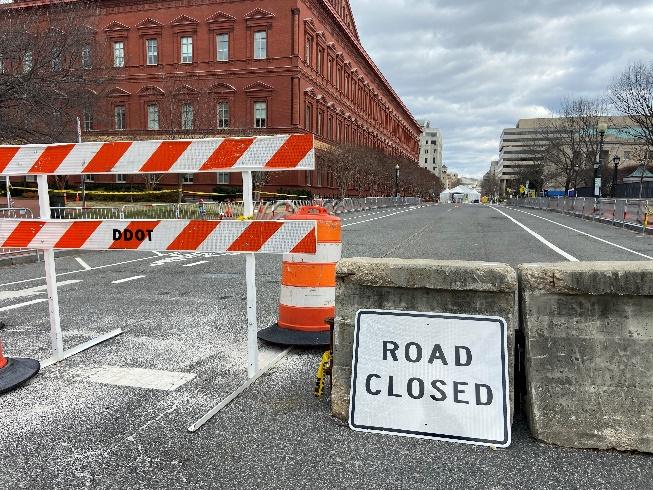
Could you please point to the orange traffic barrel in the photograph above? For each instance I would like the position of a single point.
(15, 372)
(308, 286)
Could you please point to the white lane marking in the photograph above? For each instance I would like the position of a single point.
(180, 257)
(22, 293)
(196, 263)
(151, 379)
(557, 250)
(586, 234)
(158, 254)
(374, 219)
(76, 272)
(26, 303)
(83, 264)
(127, 279)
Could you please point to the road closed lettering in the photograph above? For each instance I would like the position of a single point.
(438, 390)
(431, 375)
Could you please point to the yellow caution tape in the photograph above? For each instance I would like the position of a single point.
(321, 374)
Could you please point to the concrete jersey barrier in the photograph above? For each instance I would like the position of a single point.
(588, 330)
(419, 285)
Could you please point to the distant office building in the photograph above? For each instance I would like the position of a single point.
(430, 149)
(516, 147)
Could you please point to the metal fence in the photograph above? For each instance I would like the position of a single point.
(229, 210)
(627, 213)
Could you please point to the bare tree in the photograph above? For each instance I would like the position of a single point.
(366, 171)
(565, 145)
(490, 185)
(631, 93)
(51, 67)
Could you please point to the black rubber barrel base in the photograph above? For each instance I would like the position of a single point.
(282, 336)
(16, 372)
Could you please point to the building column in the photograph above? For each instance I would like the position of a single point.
(295, 102)
(295, 31)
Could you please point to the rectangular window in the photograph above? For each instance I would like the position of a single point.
(260, 45)
(89, 178)
(320, 122)
(319, 178)
(223, 114)
(308, 118)
(320, 60)
(86, 57)
(152, 46)
(308, 50)
(188, 178)
(222, 42)
(121, 178)
(152, 116)
(88, 120)
(27, 61)
(186, 49)
(118, 54)
(330, 69)
(187, 116)
(308, 177)
(56, 61)
(119, 117)
(338, 78)
(223, 177)
(260, 114)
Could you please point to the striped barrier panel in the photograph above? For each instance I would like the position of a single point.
(276, 237)
(261, 153)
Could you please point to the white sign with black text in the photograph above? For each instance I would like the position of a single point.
(431, 375)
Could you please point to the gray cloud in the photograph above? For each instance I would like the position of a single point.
(474, 67)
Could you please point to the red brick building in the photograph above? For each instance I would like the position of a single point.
(209, 67)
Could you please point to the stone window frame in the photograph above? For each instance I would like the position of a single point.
(117, 32)
(221, 23)
(150, 29)
(184, 26)
(257, 21)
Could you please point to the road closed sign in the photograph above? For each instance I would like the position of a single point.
(431, 375)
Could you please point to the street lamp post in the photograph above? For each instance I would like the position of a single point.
(602, 128)
(616, 161)
(397, 180)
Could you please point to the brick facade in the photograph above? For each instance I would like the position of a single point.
(315, 76)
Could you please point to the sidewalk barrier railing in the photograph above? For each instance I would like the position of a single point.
(627, 213)
(226, 209)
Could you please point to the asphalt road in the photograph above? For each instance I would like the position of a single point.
(185, 314)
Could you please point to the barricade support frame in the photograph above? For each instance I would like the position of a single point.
(56, 335)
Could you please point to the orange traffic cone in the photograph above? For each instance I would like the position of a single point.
(308, 286)
(15, 372)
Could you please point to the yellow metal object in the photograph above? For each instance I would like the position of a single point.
(321, 374)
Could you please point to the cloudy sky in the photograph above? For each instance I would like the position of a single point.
(474, 67)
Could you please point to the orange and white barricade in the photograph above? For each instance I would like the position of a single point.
(308, 285)
(262, 153)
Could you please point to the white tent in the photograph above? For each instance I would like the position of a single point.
(460, 194)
